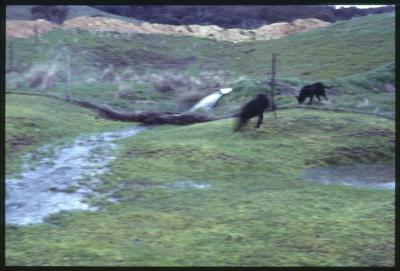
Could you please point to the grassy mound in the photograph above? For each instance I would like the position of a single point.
(257, 210)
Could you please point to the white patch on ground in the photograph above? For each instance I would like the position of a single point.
(187, 184)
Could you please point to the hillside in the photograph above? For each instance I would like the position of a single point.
(366, 42)
(225, 16)
(57, 14)
(170, 73)
(133, 69)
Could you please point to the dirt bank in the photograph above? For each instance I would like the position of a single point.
(23, 29)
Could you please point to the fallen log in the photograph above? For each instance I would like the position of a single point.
(152, 118)
(144, 117)
(175, 118)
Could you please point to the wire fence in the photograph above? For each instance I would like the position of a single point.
(51, 65)
(34, 65)
(58, 67)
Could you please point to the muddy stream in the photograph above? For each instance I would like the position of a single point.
(60, 178)
(54, 183)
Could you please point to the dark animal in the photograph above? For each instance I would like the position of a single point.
(253, 108)
(308, 91)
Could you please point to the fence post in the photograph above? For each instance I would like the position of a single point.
(11, 55)
(66, 73)
(36, 33)
(273, 73)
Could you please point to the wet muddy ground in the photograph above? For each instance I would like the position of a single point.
(61, 179)
(378, 176)
(57, 178)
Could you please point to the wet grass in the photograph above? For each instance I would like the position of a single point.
(257, 211)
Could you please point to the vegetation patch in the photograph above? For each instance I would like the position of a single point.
(354, 154)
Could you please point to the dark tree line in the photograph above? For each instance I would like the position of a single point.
(55, 14)
(237, 16)
(232, 16)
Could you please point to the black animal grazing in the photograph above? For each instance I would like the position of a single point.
(255, 107)
(317, 89)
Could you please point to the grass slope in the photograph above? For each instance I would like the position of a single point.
(345, 53)
(370, 92)
(340, 49)
(257, 211)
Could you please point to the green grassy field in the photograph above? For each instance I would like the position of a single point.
(256, 211)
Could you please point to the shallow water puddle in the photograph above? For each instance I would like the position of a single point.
(380, 176)
(188, 184)
(55, 182)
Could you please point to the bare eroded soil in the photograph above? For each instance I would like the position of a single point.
(23, 29)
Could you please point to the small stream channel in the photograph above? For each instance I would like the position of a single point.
(55, 182)
(63, 176)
